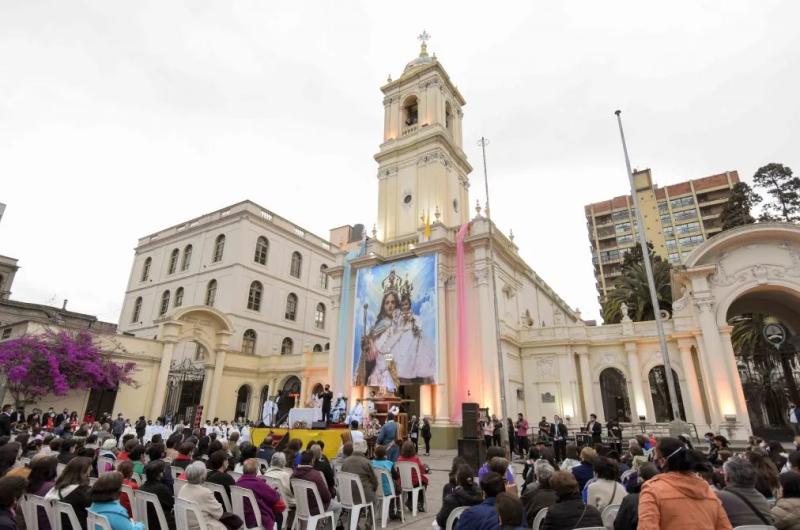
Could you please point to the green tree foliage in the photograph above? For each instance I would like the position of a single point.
(736, 211)
(632, 289)
(783, 188)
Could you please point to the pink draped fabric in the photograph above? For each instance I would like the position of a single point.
(462, 318)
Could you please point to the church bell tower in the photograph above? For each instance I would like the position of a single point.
(422, 168)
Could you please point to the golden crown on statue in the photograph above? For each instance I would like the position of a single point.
(393, 284)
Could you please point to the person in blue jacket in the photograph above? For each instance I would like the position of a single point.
(105, 501)
(484, 516)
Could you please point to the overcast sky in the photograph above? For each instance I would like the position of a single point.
(118, 119)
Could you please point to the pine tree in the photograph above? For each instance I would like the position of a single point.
(783, 188)
(736, 211)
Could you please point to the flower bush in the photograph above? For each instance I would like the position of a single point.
(57, 362)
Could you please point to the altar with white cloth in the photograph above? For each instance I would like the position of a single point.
(306, 415)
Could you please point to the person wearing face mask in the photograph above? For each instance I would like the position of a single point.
(678, 498)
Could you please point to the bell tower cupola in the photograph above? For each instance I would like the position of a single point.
(421, 165)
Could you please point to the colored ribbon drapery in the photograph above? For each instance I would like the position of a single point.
(462, 318)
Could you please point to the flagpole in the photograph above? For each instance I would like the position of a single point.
(648, 268)
(483, 142)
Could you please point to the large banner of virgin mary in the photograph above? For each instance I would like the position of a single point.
(395, 324)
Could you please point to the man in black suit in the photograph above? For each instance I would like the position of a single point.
(558, 433)
(595, 429)
(5, 420)
(327, 399)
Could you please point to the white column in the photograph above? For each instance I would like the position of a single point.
(205, 395)
(588, 395)
(216, 382)
(695, 397)
(639, 403)
(721, 379)
(446, 356)
(387, 117)
(161, 380)
(488, 395)
(738, 391)
(426, 400)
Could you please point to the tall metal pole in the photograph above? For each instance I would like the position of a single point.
(648, 268)
(483, 142)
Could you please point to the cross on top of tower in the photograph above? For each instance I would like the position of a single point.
(423, 37)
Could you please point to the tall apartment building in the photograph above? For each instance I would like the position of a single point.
(677, 218)
(268, 275)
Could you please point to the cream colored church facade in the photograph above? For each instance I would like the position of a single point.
(551, 362)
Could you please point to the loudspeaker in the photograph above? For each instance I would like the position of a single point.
(473, 451)
(319, 425)
(469, 420)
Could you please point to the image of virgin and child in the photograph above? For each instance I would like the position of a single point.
(396, 350)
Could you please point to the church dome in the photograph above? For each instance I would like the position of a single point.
(423, 57)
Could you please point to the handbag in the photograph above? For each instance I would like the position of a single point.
(231, 521)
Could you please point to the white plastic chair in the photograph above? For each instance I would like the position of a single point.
(755, 527)
(34, 504)
(95, 520)
(127, 490)
(263, 465)
(238, 495)
(386, 500)
(177, 486)
(60, 468)
(346, 482)
(219, 491)
(609, 514)
(407, 483)
(453, 517)
(104, 465)
(61, 509)
(235, 475)
(142, 499)
(176, 471)
(274, 483)
(537, 521)
(182, 509)
(138, 479)
(301, 490)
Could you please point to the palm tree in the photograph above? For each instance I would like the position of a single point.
(632, 288)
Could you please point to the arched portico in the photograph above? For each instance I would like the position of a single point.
(750, 269)
(206, 326)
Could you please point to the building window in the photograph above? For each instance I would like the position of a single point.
(659, 392)
(614, 391)
(323, 276)
(297, 264)
(287, 346)
(410, 111)
(622, 215)
(689, 241)
(624, 240)
(249, 342)
(242, 403)
(674, 257)
(448, 117)
(179, 297)
(291, 307)
(254, 297)
(663, 207)
(146, 269)
(262, 248)
(327, 346)
(319, 316)
(682, 202)
(622, 228)
(164, 303)
(173, 261)
(687, 227)
(187, 258)
(219, 248)
(6, 333)
(317, 348)
(671, 244)
(137, 310)
(211, 293)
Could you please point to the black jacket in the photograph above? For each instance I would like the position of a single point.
(458, 497)
(596, 431)
(7, 521)
(425, 430)
(535, 499)
(628, 514)
(164, 494)
(571, 513)
(5, 424)
(562, 431)
(79, 499)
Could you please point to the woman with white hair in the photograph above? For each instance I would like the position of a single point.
(195, 492)
(277, 470)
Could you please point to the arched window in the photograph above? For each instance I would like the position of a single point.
(410, 112)
(164, 303)
(264, 398)
(254, 297)
(173, 261)
(242, 402)
(211, 293)
(659, 392)
(448, 117)
(327, 346)
(319, 316)
(287, 346)
(137, 310)
(323, 276)
(146, 269)
(317, 348)
(249, 341)
(262, 248)
(179, 297)
(187, 257)
(297, 264)
(219, 248)
(291, 307)
(614, 390)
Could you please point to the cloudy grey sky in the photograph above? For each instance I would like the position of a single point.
(118, 119)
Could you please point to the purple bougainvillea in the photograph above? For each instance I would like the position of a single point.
(56, 362)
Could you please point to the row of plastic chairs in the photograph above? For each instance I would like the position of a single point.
(608, 516)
